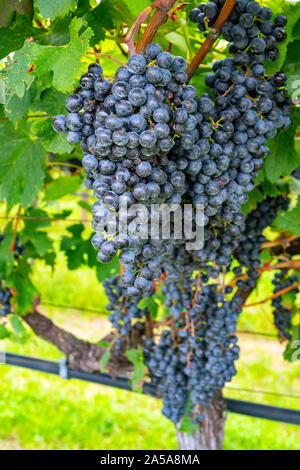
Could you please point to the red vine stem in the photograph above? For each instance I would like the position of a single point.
(277, 294)
(279, 242)
(141, 19)
(294, 264)
(100, 54)
(211, 38)
(158, 18)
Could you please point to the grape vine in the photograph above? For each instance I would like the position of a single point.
(148, 137)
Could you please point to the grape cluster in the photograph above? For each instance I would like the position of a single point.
(281, 313)
(248, 108)
(197, 356)
(5, 292)
(124, 309)
(249, 248)
(248, 26)
(136, 120)
(5, 296)
(257, 220)
(147, 137)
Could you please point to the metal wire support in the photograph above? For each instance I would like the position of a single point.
(274, 413)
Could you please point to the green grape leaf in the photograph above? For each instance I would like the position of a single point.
(52, 141)
(255, 196)
(283, 158)
(85, 205)
(288, 299)
(41, 242)
(82, 7)
(39, 219)
(110, 13)
(58, 144)
(292, 12)
(20, 281)
(51, 102)
(58, 33)
(152, 304)
(265, 256)
(22, 166)
(292, 351)
(78, 250)
(62, 215)
(2, 92)
(20, 334)
(62, 58)
(269, 188)
(16, 74)
(55, 8)
(12, 37)
(289, 221)
(7, 258)
(50, 258)
(139, 369)
(16, 107)
(106, 355)
(291, 68)
(62, 186)
(186, 423)
(98, 19)
(133, 6)
(9, 8)
(295, 185)
(4, 333)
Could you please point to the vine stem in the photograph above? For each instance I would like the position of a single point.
(277, 294)
(100, 54)
(279, 242)
(13, 243)
(158, 18)
(294, 264)
(129, 39)
(211, 38)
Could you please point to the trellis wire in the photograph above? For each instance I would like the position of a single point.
(257, 410)
(103, 312)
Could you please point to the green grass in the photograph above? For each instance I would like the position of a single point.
(39, 411)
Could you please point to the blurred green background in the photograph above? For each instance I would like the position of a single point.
(39, 411)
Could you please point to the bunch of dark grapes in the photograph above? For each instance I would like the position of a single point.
(248, 109)
(148, 138)
(249, 247)
(5, 292)
(196, 357)
(135, 121)
(257, 220)
(125, 312)
(205, 14)
(5, 296)
(282, 314)
(296, 173)
(249, 26)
